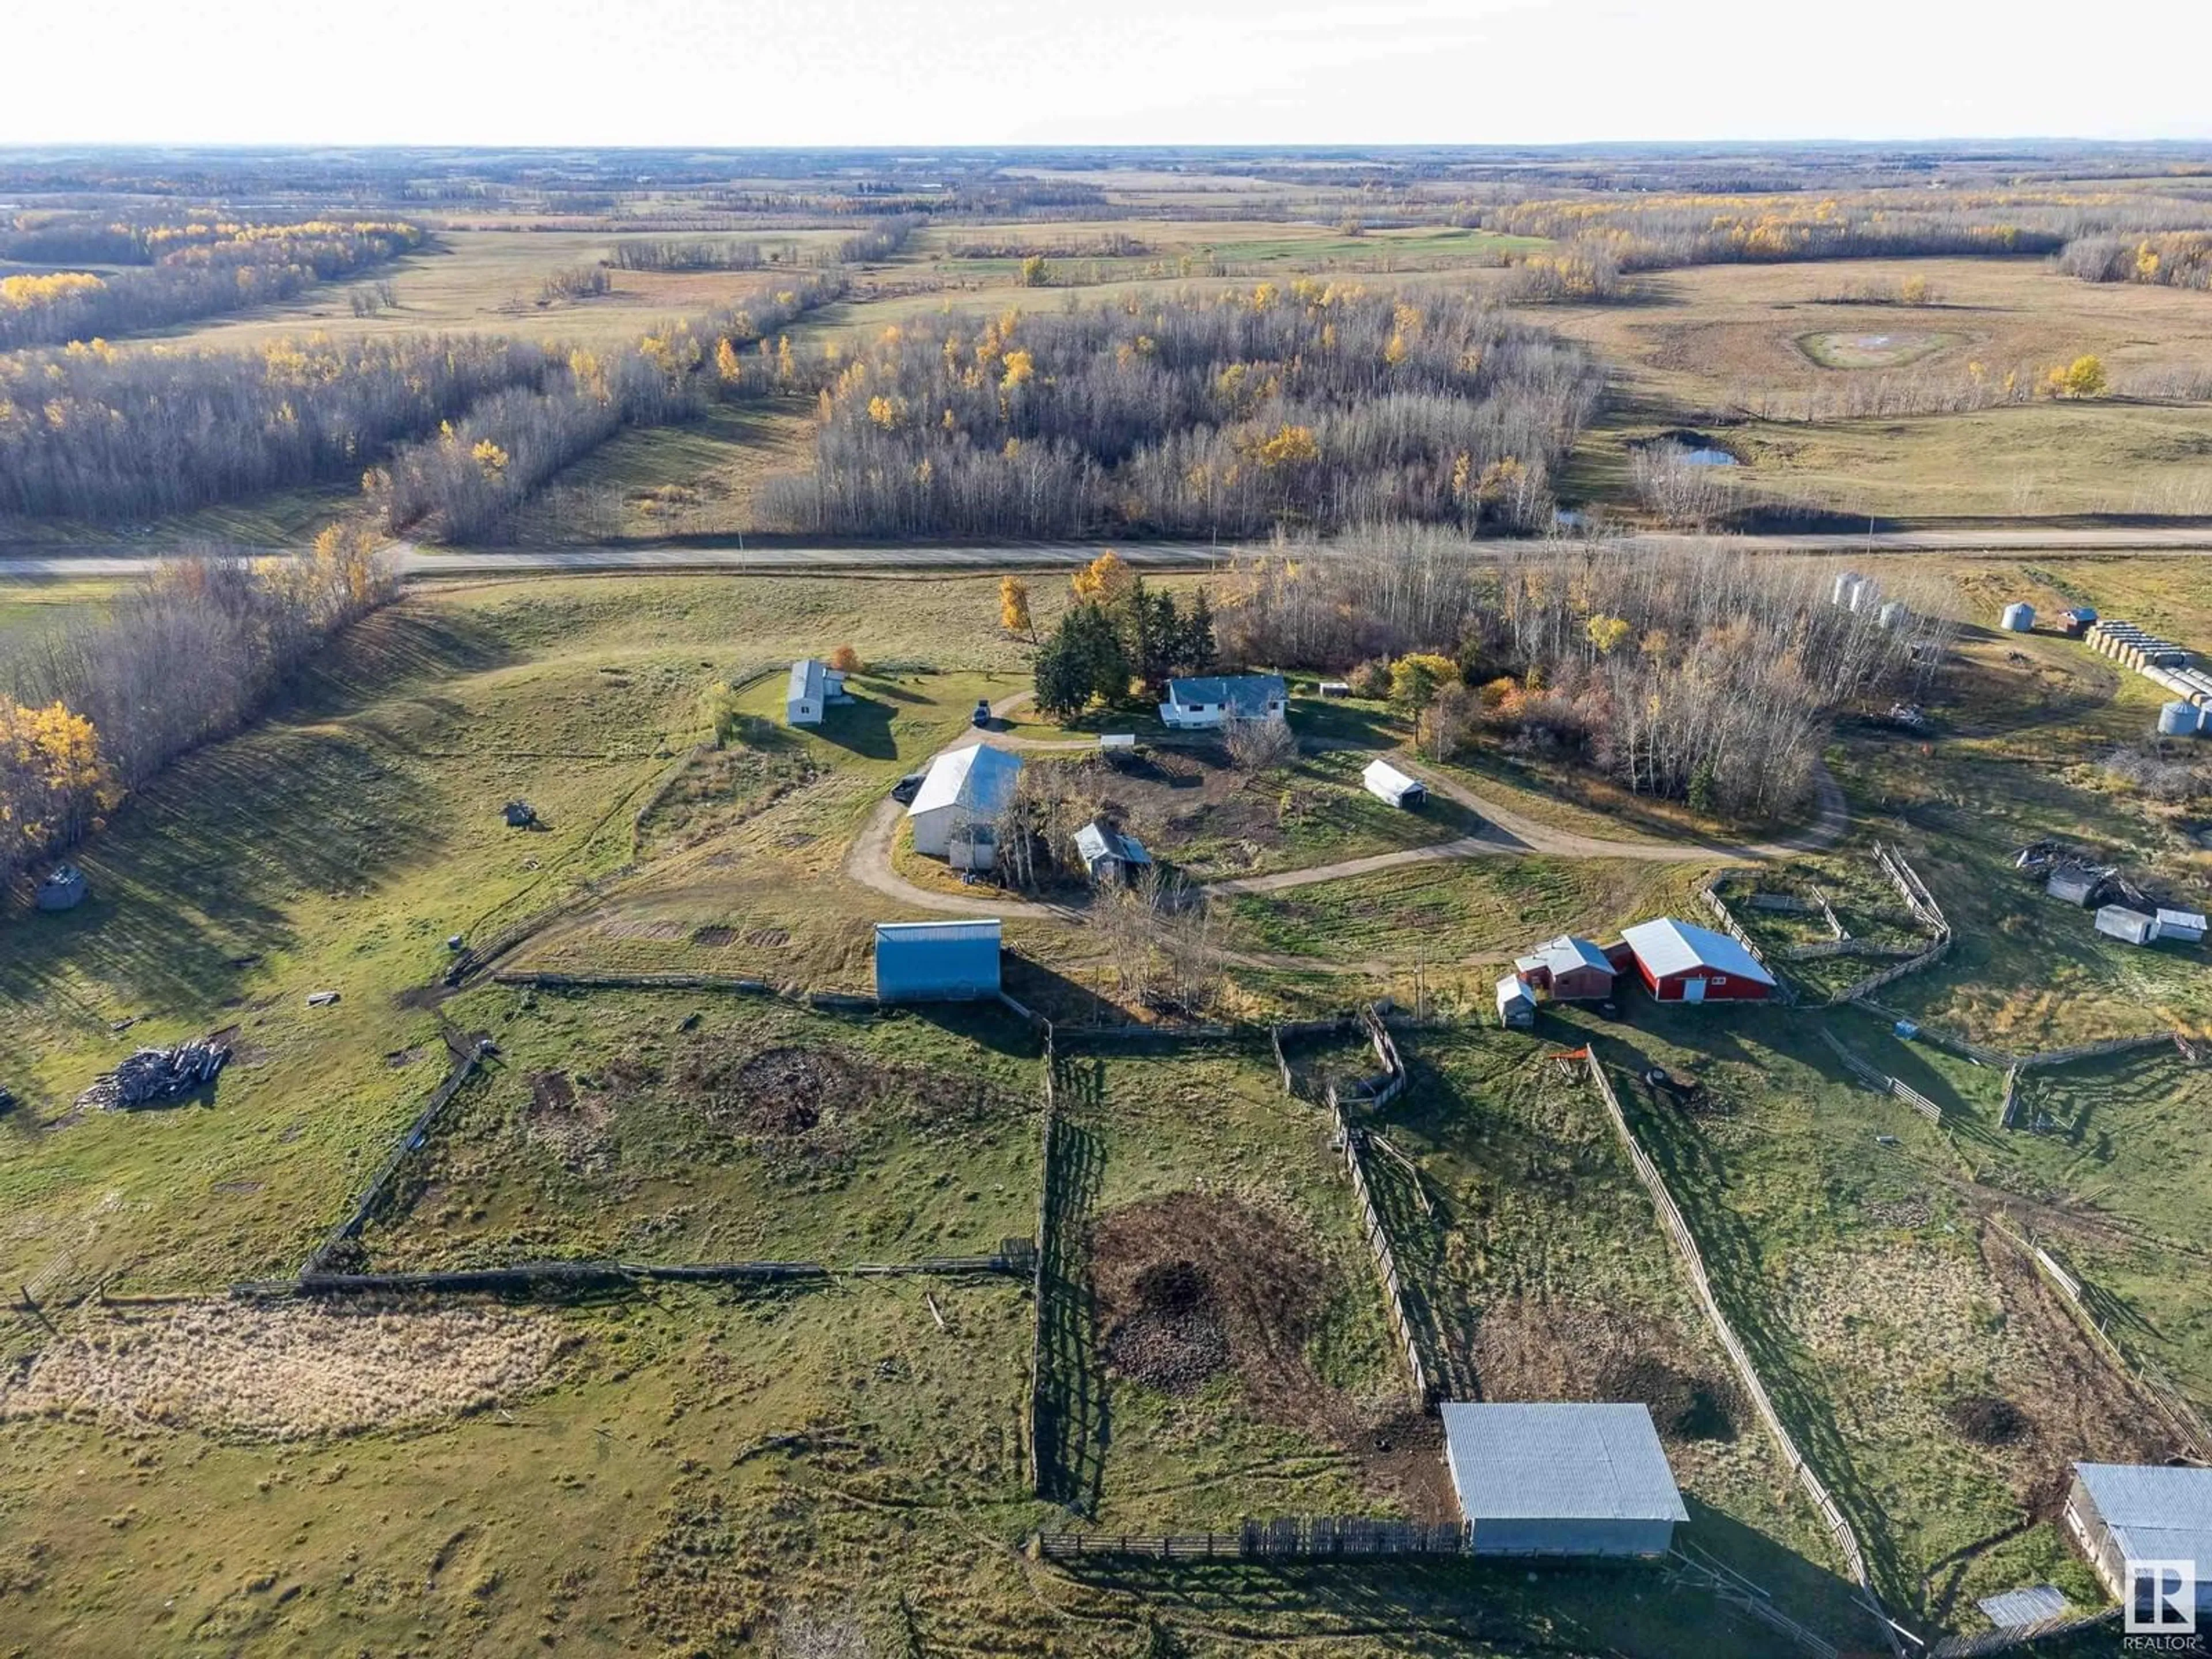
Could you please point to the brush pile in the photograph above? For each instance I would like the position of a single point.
(153, 1076)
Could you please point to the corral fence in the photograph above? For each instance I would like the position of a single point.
(1046, 1244)
(1875, 1079)
(1300, 1537)
(2182, 1417)
(2021, 1635)
(468, 1056)
(1925, 910)
(577, 1277)
(1422, 1388)
(1686, 1244)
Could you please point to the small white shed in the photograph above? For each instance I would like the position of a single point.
(808, 692)
(2187, 926)
(2117, 921)
(1515, 1007)
(1386, 782)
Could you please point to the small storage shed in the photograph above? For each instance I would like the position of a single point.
(1571, 970)
(1386, 782)
(1559, 1478)
(937, 961)
(63, 889)
(2079, 621)
(2018, 617)
(2123, 1512)
(1516, 1007)
(1108, 854)
(966, 787)
(1681, 962)
(2187, 927)
(2117, 921)
(2074, 884)
(807, 693)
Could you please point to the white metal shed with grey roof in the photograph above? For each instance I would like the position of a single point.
(1561, 1479)
(965, 790)
(2123, 1512)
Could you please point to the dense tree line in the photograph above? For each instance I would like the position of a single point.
(2171, 259)
(1699, 674)
(90, 711)
(1655, 231)
(100, 432)
(702, 253)
(170, 273)
(468, 482)
(95, 432)
(1196, 414)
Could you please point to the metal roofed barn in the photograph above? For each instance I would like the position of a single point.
(937, 961)
(1683, 963)
(1386, 782)
(805, 697)
(969, 787)
(2122, 1512)
(1570, 969)
(1560, 1478)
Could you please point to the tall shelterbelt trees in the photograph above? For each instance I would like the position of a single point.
(90, 712)
(1199, 414)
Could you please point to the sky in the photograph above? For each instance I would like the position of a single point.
(866, 72)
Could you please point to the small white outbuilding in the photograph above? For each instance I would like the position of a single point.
(1386, 782)
(2117, 921)
(2185, 926)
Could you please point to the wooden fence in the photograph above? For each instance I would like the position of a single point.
(573, 1277)
(467, 1057)
(1875, 1079)
(1045, 1245)
(1711, 893)
(1302, 1537)
(1686, 1244)
(2020, 1636)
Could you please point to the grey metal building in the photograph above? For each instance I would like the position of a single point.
(1561, 1479)
(937, 961)
(2123, 1512)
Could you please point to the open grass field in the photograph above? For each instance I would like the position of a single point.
(724, 1460)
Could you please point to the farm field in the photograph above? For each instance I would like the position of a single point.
(1875, 1284)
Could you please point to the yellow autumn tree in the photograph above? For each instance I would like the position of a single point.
(53, 782)
(1105, 578)
(1014, 606)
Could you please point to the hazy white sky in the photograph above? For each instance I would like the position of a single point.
(743, 72)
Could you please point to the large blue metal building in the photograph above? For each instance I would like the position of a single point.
(937, 961)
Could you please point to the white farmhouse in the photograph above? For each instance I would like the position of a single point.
(1217, 699)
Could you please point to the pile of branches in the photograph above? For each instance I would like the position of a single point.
(153, 1076)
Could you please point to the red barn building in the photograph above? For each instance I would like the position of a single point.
(1681, 962)
(1570, 969)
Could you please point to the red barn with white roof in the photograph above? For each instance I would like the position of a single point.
(1681, 962)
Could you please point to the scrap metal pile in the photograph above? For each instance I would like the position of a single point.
(154, 1075)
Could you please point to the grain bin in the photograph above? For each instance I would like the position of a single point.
(1864, 596)
(2018, 617)
(2178, 720)
(1891, 614)
(1847, 585)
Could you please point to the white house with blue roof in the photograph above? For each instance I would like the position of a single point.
(1217, 699)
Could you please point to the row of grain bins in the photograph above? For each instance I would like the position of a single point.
(2165, 664)
(1853, 592)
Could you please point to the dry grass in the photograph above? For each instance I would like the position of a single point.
(288, 1371)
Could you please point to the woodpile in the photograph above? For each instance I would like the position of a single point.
(154, 1075)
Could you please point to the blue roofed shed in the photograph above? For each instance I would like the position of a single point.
(1561, 1479)
(937, 961)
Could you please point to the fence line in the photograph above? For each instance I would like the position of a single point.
(1711, 893)
(1044, 1246)
(530, 1276)
(1875, 1079)
(2181, 1417)
(1677, 1229)
(466, 1063)
(1298, 1536)
(2004, 1640)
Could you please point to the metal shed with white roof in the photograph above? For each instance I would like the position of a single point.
(1681, 962)
(1561, 1479)
(2123, 1512)
(966, 788)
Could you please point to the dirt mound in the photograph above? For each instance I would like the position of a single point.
(1988, 1419)
(813, 1099)
(1684, 1406)
(1190, 1284)
(1533, 1348)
